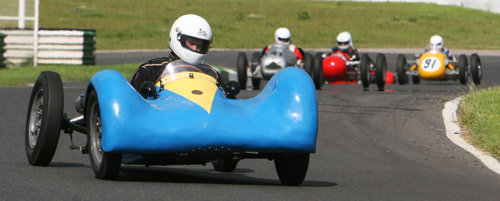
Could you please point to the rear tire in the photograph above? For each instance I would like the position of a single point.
(308, 63)
(105, 165)
(291, 167)
(364, 66)
(224, 165)
(415, 79)
(475, 69)
(380, 71)
(43, 122)
(317, 71)
(401, 69)
(462, 69)
(255, 63)
(241, 68)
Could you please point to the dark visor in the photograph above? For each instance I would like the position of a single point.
(284, 39)
(195, 44)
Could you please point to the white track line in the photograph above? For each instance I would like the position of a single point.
(454, 133)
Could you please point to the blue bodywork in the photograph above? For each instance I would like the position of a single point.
(282, 118)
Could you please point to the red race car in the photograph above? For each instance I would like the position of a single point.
(336, 68)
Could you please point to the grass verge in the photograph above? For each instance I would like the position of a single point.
(145, 24)
(480, 114)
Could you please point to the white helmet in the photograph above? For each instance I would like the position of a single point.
(436, 42)
(282, 35)
(190, 38)
(344, 40)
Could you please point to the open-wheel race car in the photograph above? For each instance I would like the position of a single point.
(435, 65)
(265, 66)
(336, 68)
(187, 117)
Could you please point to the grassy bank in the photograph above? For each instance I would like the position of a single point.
(70, 73)
(145, 24)
(480, 114)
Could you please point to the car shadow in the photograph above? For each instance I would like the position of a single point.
(183, 175)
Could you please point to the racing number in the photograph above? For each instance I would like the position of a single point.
(431, 64)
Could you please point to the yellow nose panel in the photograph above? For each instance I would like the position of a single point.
(196, 87)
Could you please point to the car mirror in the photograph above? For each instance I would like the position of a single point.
(148, 89)
(233, 89)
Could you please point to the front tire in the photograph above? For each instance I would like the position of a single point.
(291, 167)
(224, 165)
(401, 68)
(255, 62)
(475, 69)
(105, 165)
(43, 122)
(462, 69)
(380, 71)
(364, 66)
(241, 69)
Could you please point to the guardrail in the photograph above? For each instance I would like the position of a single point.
(2, 50)
(54, 46)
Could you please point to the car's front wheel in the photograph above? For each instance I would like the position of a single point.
(224, 165)
(105, 165)
(291, 167)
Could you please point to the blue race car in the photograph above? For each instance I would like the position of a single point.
(186, 118)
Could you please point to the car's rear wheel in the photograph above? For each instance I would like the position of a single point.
(401, 68)
(241, 69)
(291, 167)
(475, 69)
(364, 66)
(43, 123)
(255, 62)
(317, 72)
(105, 165)
(463, 73)
(224, 165)
(380, 71)
(308, 63)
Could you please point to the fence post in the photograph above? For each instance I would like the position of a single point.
(2, 51)
(89, 47)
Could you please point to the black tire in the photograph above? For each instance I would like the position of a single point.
(475, 69)
(241, 68)
(401, 69)
(317, 71)
(415, 79)
(224, 165)
(255, 62)
(364, 70)
(291, 167)
(463, 72)
(43, 122)
(308, 63)
(380, 71)
(105, 165)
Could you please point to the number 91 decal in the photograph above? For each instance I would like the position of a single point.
(430, 64)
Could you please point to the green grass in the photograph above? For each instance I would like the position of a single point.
(145, 24)
(480, 114)
(69, 73)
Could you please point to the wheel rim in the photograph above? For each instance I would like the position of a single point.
(36, 118)
(95, 129)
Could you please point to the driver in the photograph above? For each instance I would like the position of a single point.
(190, 38)
(344, 44)
(436, 42)
(282, 36)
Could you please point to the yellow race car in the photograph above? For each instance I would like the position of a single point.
(435, 65)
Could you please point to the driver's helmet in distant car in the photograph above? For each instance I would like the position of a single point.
(190, 38)
(344, 40)
(436, 42)
(282, 35)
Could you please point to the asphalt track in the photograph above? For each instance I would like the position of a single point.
(371, 145)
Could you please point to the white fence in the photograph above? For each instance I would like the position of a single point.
(54, 46)
(486, 5)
